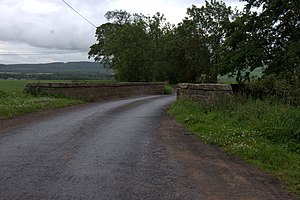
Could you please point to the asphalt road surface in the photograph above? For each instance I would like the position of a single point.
(123, 149)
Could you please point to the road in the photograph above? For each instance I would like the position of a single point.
(123, 149)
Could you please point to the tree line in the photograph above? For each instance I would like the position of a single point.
(211, 40)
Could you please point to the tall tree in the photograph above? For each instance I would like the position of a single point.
(132, 45)
(200, 37)
(268, 38)
(122, 44)
(158, 31)
(140, 48)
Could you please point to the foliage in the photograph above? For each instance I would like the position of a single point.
(284, 88)
(263, 133)
(126, 45)
(202, 34)
(168, 89)
(268, 39)
(213, 40)
(140, 48)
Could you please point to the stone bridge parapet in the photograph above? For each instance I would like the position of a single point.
(96, 92)
(206, 93)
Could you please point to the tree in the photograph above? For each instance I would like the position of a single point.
(268, 39)
(140, 48)
(159, 31)
(200, 37)
(132, 46)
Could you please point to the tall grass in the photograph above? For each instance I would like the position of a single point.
(265, 134)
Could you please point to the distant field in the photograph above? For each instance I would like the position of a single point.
(17, 86)
(229, 80)
(56, 71)
(12, 86)
(226, 79)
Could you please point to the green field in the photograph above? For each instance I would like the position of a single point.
(13, 102)
(231, 80)
(17, 86)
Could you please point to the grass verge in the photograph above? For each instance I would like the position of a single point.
(12, 105)
(264, 134)
(15, 103)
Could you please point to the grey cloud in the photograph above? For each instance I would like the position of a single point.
(50, 27)
(59, 29)
(62, 29)
(43, 58)
(16, 52)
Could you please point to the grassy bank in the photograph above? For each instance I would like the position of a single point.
(14, 103)
(264, 134)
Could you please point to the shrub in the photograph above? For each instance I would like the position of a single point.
(168, 89)
(284, 88)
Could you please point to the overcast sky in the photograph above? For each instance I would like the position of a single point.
(40, 31)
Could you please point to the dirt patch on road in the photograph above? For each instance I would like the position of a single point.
(219, 175)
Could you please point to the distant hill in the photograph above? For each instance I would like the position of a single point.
(55, 67)
(57, 70)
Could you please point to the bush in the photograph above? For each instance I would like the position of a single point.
(284, 88)
(168, 89)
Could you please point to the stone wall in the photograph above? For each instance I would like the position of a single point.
(206, 93)
(96, 92)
